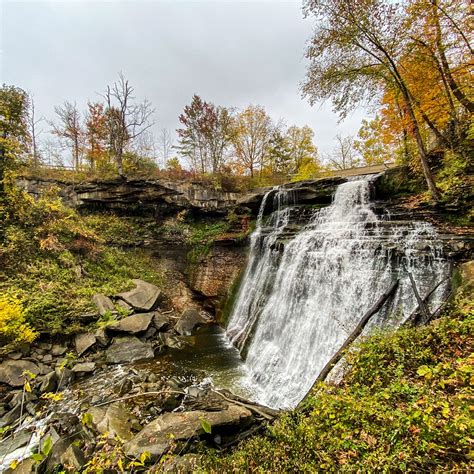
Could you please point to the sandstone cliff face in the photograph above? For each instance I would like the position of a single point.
(132, 197)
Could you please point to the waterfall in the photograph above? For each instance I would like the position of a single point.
(303, 294)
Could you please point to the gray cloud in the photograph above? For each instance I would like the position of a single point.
(230, 52)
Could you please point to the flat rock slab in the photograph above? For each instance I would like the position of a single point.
(103, 303)
(83, 342)
(133, 324)
(128, 349)
(157, 436)
(84, 367)
(145, 297)
(11, 371)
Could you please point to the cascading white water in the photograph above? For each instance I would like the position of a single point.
(296, 307)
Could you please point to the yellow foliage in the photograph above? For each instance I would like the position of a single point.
(13, 327)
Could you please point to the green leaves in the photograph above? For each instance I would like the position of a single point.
(206, 426)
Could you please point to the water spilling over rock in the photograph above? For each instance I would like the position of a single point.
(304, 291)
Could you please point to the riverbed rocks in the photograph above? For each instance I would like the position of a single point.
(159, 435)
(128, 349)
(145, 297)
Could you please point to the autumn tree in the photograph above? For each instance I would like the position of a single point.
(126, 119)
(279, 156)
(205, 135)
(69, 130)
(13, 127)
(96, 134)
(300, 145)
(357, 50)
(252, 133)
(373, 143)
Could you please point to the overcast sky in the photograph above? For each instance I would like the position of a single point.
(231, 53)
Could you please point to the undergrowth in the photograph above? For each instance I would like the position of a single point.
(53, 260)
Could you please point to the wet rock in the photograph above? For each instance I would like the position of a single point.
(189, 320)
(84, 368)
(103, 303)
(73, 458)
(83, 342)
(171, 341)
(128, 349)
(114, 419)
(11, 371)
(123, 387)
(16, 441)
(134, 324)
(49, 382)
(157, 436)
(145, 297)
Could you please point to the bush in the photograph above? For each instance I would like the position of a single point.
(13, 329)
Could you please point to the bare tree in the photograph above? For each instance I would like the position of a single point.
(126, 120)
(33, 121)
(69, 129)
(344, 155)
(165, 143)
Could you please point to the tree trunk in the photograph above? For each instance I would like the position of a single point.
(421, 148)
(353, 336)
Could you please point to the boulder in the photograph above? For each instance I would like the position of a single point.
(11, 371)
(83, 342)
(128, 349)
(160, 321)
(58, 350)
(170, 340)
(84, 368)
(189, 321)
(101, 337)
(49, 382)
(158, 436)
(103, 303)
(145, 297)
(73, 459)
(114, 419)
(134, 324)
